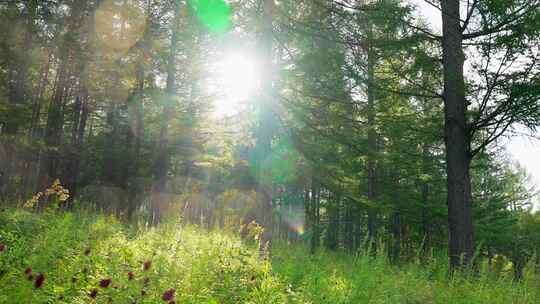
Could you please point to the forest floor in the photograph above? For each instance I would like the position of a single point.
(81, 258)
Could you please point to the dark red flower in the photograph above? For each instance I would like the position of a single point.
(40, 279)
(131, 275)
(143, 292)
(146, 281)
(2, 247)
(93, 293)
(28, 271)
(168, 295)
(87, 251)
(104, 283)
(147, 265)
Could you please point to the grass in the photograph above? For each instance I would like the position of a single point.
(342, 278)
(78, 252)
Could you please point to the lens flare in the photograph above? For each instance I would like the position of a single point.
(214, 14)
(237, 78)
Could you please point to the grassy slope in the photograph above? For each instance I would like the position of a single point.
(210, 267)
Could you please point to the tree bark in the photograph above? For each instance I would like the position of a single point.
(264, 132)
(161, 165)
(457, 141)
(315, 220)
(372, 141)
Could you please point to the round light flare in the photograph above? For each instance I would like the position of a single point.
(237, 78)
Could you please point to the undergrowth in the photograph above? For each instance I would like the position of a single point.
(77, 257)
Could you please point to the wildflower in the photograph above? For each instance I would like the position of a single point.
(131, 275)
(146, 280)
(147, 265)
(143, 292)
(93, 293)
(168, 295)
(28, 271)
(40, 279)
(87, 252)
(2, 247)
(104, 283)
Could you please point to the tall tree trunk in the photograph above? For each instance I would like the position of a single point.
(161, 165)
(457, 141)
(136, 131)
(264, 132)
(82, 111)
(348, 232)
(49, 163)
(308, 218)
(332, 232)
(53, 131)
(372, 140)
(424, 194)
(18, 95)
(315, 222)
(36, 110)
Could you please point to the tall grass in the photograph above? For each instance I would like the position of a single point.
(78, 253)
(337, 277)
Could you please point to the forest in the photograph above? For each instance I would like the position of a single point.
(268, 151)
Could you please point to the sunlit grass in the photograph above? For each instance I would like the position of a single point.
(89, 258)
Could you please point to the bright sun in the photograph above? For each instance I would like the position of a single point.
(237, 78)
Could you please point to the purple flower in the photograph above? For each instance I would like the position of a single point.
(93, 293)
(104, 283)
(2, 247)
(147, 265)
(168, 295)
(40, 279)
(146, 281)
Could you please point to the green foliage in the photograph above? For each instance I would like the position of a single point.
(203, 267)
(334, 277)
(76, 250)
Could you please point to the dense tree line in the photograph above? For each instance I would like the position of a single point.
(367, 128)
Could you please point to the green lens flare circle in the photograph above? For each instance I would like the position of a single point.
(214, 14)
